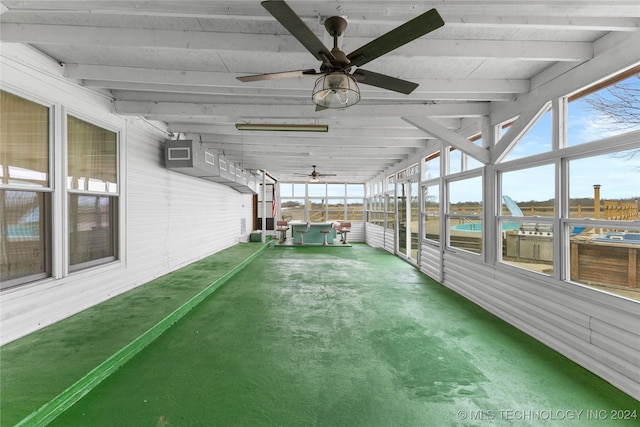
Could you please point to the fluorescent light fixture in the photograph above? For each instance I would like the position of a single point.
(282, 127)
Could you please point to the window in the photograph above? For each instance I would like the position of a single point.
(93, 193)
(375, 210)
(26, 233)
(324, 202)
(92, 229)
(603, 229)
(335, 210)
(472, 163)
(292, 209)
(355, 190)
(529, 192)
(610, 178)
(355, 198)
(464, 214)
(606, 109)
(536, 140)
(431, 167)
(391, 210)
(317, 210)
(503, 127)
(335, 190)
(299, 190)
(317, 190)
(25, 191)
(286, 189)
(455, 160)
(528, 206)
(431, 212)
(355, 210)
(26, 194)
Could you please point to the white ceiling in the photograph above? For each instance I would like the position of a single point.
(177, 62)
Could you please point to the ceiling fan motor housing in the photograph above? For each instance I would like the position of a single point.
(335, 25)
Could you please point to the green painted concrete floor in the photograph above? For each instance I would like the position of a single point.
(306, 338)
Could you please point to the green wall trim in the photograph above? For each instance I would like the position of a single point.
(56, 406)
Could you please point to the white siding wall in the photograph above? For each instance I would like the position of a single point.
(380, 237)
(174, 219)
(599, 331)
(170, 219)
(389, 241)
(357, 233)
(374, 235)
(430, 260)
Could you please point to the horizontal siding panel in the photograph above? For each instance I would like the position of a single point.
(374, 235)
(617, 370)
(568, 323)
(357, 233)
(612, 332)
(519, 299)
(624, 350)
(584, 300)
(561, 306)
(591, 303)
(430, 260)
(389, 241)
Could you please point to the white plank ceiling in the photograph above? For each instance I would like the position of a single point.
(177, 61)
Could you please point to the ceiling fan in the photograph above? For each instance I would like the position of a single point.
(315, 176)
(337, 88)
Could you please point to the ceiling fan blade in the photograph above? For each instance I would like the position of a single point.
(326, 174)
(274, 76)
(298, 29)
(411, 30)
(384, 81)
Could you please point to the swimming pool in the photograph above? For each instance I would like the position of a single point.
(618, 237)
(506, 226)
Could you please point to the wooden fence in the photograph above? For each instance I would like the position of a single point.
(609, 210)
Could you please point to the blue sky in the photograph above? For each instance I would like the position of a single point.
(618, 175)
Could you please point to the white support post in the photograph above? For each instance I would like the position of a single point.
(460, 142)
(492, 235)
(264, 207)
(444, 203)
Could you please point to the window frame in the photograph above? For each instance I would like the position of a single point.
(448, 216)
(118, 228)
(48, 193)
(561, 220)
(330, 193)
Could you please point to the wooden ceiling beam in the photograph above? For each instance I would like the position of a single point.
(42, 34)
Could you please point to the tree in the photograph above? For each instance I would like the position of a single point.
(619, 106)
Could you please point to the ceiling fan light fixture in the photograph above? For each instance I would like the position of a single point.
(336, 90)
(314, 179)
